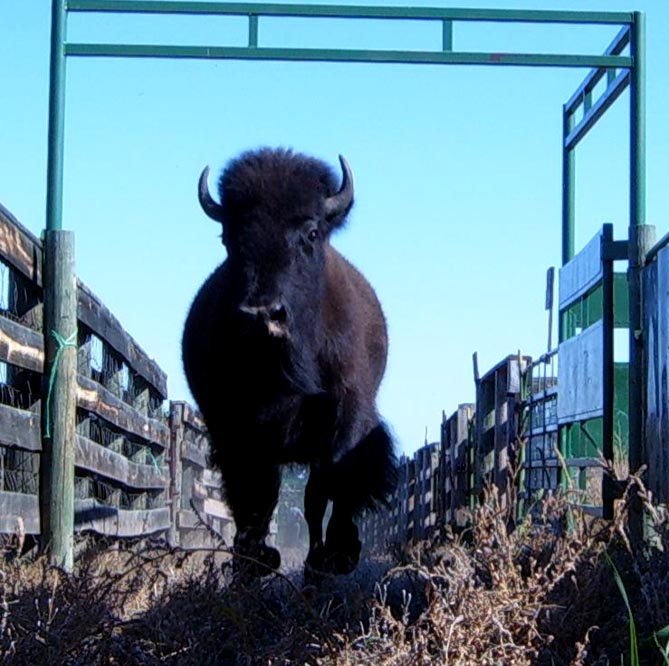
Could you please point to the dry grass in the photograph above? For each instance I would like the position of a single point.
(541, 594)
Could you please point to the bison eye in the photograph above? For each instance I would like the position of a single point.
(313, 235)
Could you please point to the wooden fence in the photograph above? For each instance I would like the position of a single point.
(529, 434)
(440, 485)
(141, 464)
(656, 326)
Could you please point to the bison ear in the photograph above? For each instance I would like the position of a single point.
(338, 205)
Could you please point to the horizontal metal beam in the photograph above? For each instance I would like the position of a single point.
(597, 110)
(346, 11)
(342, 55)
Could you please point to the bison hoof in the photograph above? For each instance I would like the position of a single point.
(316, 558)
(336, 561)
(256, 561)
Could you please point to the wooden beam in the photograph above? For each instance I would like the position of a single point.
(94, 314)
(97, 399)
(20, 429)
(21, 346)
(109, 520)
(19, 248)
(59, 389)
(97, 458)
(16, 508)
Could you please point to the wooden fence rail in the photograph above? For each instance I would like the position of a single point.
(141, 464)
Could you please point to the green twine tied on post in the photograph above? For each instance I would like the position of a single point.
(62, 344)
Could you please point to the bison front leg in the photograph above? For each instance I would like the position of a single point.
(252, 491)
(341, 551)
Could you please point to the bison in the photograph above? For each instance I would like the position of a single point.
(284, 349)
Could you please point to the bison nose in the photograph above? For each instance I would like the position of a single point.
(274, 312)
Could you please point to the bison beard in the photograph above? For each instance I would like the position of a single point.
(284, 349)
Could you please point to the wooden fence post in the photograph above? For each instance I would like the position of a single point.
(176, 469)
(59, 398)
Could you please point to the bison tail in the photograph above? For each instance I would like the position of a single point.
(366, 476)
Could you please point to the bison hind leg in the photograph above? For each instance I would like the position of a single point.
(366, 476)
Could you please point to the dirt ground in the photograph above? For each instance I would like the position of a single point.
(545, 593)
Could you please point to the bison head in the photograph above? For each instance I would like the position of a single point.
(277, 210)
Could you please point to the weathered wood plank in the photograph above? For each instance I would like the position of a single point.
(189, 520)
(20, 428)
(656, 328)
(19, 506)
(19, 248)
(582, 273)
(581, 393)
(217, 509)
(177, 429)
(103, 519)
(21, 346)
(94, 314)
(211, 478)
(97, 399)
(195, 453)
(96, 458)
(192, 417)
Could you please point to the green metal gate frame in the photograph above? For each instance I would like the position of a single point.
(621, 71)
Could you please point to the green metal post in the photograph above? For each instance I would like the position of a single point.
(59, 383)
(568, 206)
(638, 122)
(568, 189)
(54, 197)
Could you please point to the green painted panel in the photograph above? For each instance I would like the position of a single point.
(620, 300)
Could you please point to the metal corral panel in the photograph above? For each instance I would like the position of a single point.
(581, 394)
(656, 325)
(582, 273)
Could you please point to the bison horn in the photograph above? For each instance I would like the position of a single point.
(338, 204)
(209, 206)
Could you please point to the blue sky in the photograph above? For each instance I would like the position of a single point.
(457, 173)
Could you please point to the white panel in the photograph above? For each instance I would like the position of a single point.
(582, 273)
(581, 394)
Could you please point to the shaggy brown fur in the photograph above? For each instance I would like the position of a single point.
(284, 349)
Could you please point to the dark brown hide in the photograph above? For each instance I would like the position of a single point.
(284, 349)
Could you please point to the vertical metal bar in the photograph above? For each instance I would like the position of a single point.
(638, 122)
(587, 101)
(54, 195)
(253, 30)
(568, 208)
(607, 368)
(447, 36)
(568, 188)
